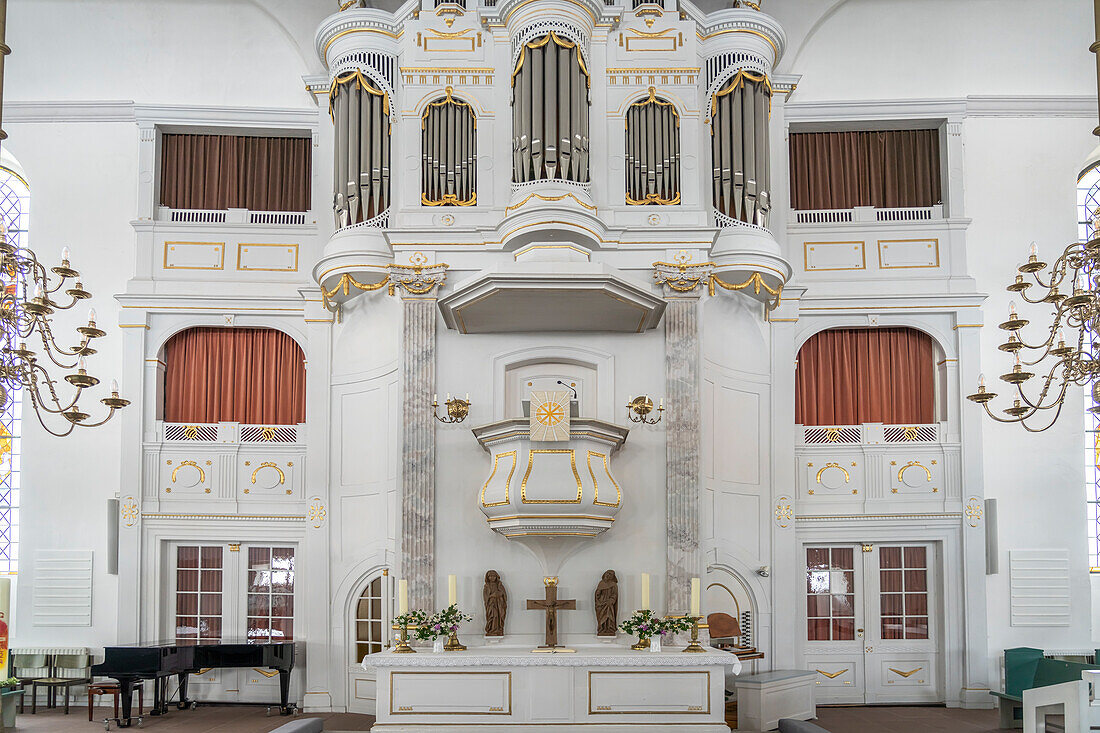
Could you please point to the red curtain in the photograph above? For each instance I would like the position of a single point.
(883, 168)
(848, 376)
(235, 172)
(247, 375)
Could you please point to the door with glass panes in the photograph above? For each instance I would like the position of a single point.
(873, 631)
(230, 592)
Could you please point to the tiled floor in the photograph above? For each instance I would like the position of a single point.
(247, 719)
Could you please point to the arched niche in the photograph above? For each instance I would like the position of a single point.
(589, 371)
(369, 337)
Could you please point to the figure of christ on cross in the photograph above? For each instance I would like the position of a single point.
(551, 604)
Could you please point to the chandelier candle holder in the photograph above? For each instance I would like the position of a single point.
(27, 319)
(640, 408)
(1057, 362)
(457, 408)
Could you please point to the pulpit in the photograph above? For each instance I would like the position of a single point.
(551, 495)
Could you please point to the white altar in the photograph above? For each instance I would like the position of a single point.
(605, 688)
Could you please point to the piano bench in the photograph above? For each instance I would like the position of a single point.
(111, 688)
(302, 725)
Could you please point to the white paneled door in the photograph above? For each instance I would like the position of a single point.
(232, 593)
(873, 624)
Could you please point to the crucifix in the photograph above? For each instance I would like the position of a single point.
(551, 604)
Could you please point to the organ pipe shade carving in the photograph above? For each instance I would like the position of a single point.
(652, 152)
(550, 112)
(361, 174)
(740, 113)
(448, 153)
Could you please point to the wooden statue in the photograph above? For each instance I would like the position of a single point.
(607, 604)
(496, 604)
(551, 605)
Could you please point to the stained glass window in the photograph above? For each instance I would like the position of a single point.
(1088, 201)
(14, 213)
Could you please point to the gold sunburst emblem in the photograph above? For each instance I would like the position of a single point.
(549, 413)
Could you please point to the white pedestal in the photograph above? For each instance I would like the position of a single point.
(605, 688)
(762, 699)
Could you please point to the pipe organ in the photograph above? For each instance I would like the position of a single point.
(361, 171)
(652, 152)
(550, 101)
(448, 150)
(740, 114)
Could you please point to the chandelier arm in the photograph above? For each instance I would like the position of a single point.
(53, 392)
(989, 412)
(1048, 425)
(49, 430)
(1039, 404)
(101, 422)
(46, 333)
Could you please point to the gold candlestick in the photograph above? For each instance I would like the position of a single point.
(453, 644)
(694, 646)
(640, 645)
(403, 641)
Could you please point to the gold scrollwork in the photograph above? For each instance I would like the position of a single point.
(832, 675)
(681, 281)
(344, 284)
(267, 433)
(607, 470)
(507, 483)
(832, 435)
(784, 512)
(129, 511)
(910, 673)
(973, 511)
(540, 197)
(910, 433)
(190, 432)
(531, 465)
(269, 464)
(827, 466)
(918, 464)
(317, 512)
(197, 467)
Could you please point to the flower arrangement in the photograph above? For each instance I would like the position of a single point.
(644, 624)
(9, 683)
(442, 623)
(411, 619)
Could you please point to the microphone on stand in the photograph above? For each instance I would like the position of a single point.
(569, 388)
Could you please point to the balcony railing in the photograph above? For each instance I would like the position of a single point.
(870, 434)
(230, 216)
(229, 432)
(867, 214)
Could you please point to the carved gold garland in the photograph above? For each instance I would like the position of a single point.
(444, 102)
(540, 197)
(736, 82)
(681, 281)
(363, 83)
(653, 198)
(561, 43)
(449, 199)
(756, 280)
(344, 284)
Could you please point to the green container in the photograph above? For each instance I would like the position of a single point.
(9, 703)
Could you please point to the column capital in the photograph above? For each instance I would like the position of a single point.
(683, 279)
(418, 282)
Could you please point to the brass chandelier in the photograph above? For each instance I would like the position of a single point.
(1058, 363)
(26, 304)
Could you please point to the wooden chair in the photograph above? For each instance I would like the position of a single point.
(725, 630)
(100, 689)
(37, 666)
(79, 663)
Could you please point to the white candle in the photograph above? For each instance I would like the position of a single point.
(38, 291)
(114, 386)
(452, 590)
(435, 398)
(694, 596)
(91, 315)
(645, 591)
(402, 597)
(65, 254)
(467, 396)
(80, 363)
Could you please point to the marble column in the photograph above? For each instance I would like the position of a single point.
(418, 285)
(684, 285)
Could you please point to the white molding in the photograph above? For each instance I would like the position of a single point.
(953, 109)
(98, 111)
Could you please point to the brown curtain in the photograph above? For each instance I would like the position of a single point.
(235, 172)
(247, 375)
(884, 169)
(848, 376)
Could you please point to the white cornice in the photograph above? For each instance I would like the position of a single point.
(93, 111)
(954, 109)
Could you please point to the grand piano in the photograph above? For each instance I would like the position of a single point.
(161, 660)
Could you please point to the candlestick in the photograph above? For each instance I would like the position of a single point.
(695, 597)
(645, 591)
(452, 590)
(402, 597)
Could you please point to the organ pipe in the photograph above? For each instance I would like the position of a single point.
(361, 174)
(550, 112)
(448, 153)
(740, 113)
(652, 152)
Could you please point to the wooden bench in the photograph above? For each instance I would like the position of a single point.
(1027, 669)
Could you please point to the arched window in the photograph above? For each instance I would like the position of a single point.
(550, 111)
(850, 376)
(14, 213)
(370, 626)
(448, 153)
(652, 152)
(255, 376)
(1088, 203)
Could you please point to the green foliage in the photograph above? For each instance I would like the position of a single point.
(644, 624)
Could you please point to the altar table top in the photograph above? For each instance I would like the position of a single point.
(583, 656)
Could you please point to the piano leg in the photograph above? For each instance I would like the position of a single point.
(184, 703)
(126, 692)
(284, 692)
(160, 692)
